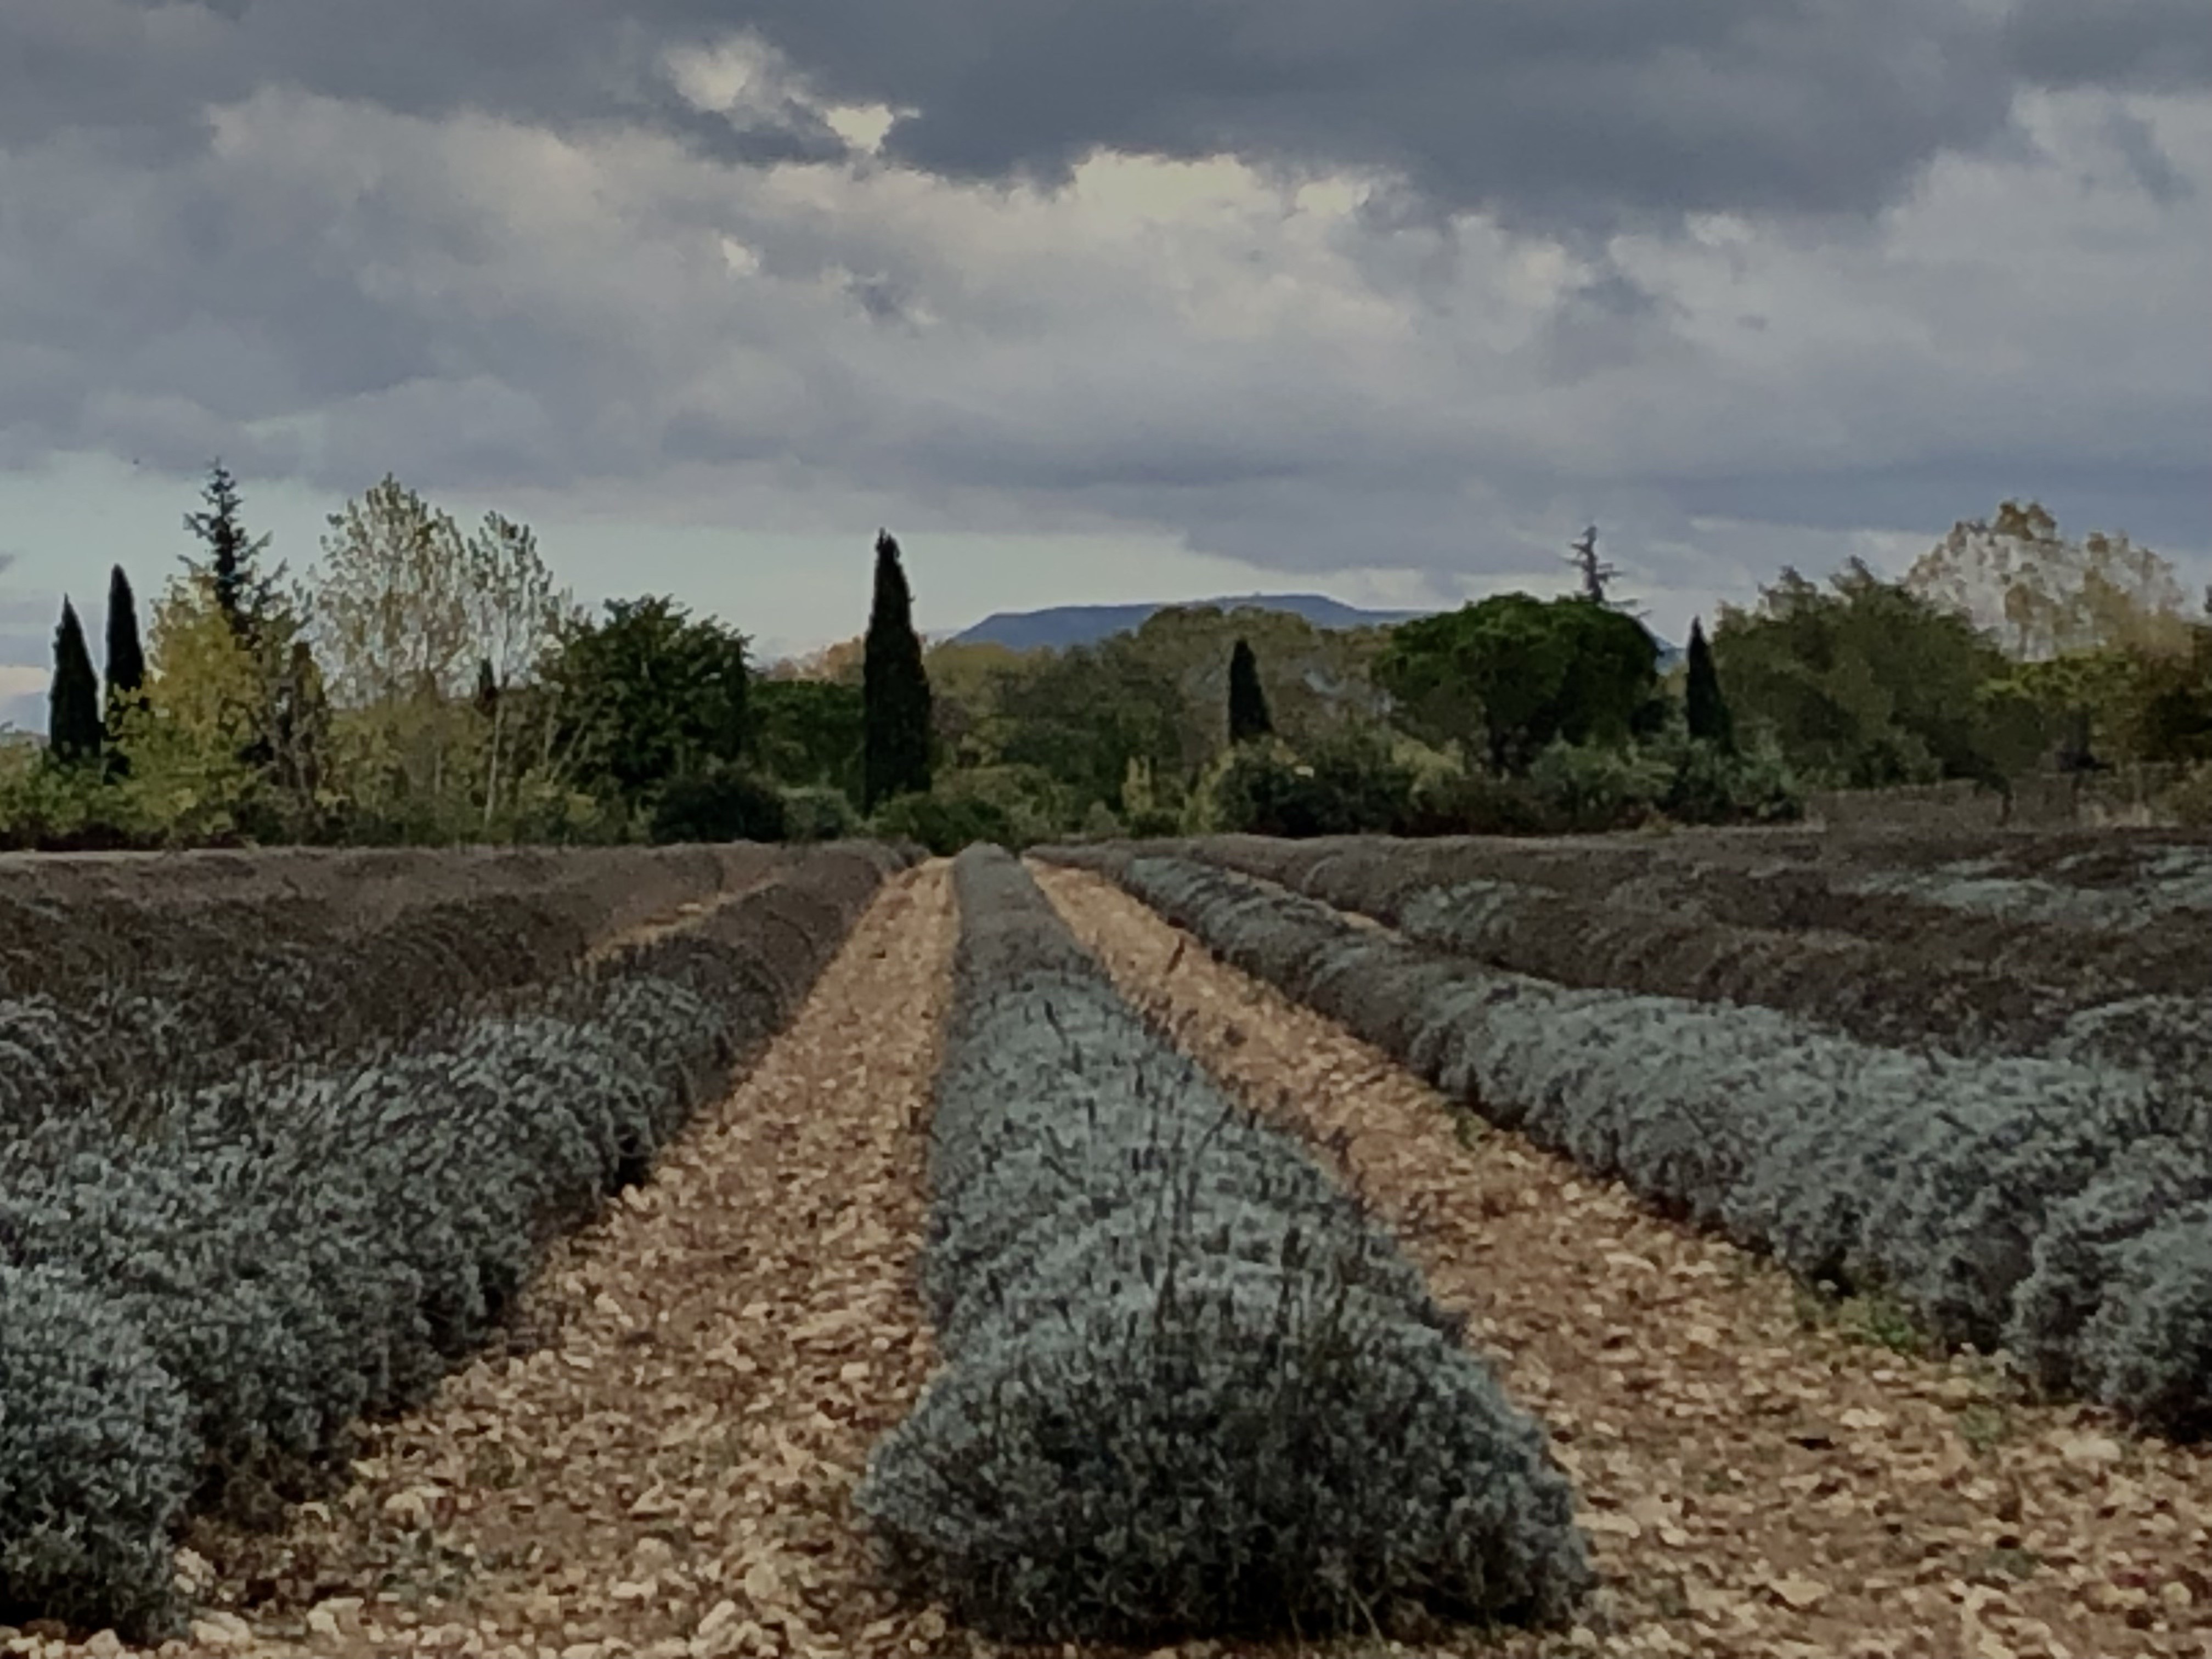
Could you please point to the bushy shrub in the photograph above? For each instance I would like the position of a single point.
(1347, 785)
(817, 812)
(1950, 1180)
(943, 824)
(1190, 1385)
(2189, 800)
(1478, 802)
(96, 1458)
(1716, 785)
(720, 803)
(1593, 786)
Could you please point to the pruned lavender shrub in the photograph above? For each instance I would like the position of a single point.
(2009, 1199)
(290, 1251)
(2149, 1346)
(94, 1459)
(1189, 1384)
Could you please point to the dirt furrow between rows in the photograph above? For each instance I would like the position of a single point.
(667, 1471)
(1758, 1480)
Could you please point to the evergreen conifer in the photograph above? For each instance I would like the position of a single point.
(1706, 710)
(73, 706)
(242, 590)
(894, 690)
(1247, 702)
(126, 665)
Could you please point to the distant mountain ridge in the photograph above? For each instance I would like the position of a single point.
(1062, 626)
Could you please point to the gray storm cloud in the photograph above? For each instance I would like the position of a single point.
(1611, 256)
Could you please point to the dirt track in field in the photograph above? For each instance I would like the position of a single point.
(667, 1474)
(1754, 1487)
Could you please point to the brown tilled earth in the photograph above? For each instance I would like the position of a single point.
(665, 1471)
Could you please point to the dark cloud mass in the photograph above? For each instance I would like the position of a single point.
(2145, 46)
(1554, 112)
(1560, 112)
(331, 238)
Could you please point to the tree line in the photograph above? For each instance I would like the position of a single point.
(426, 683)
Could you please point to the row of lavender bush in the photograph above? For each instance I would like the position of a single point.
(1190, 1385)
(189, 1318)
(2060, 1209)
(1654, 936)
(92, 1045)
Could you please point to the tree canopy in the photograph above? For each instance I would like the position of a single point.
(646, 695)
(1510, 674)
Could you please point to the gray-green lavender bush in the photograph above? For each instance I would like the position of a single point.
(2009, 1198)
(287, 1251)
(1190, 1385)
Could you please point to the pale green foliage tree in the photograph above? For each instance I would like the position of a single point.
(216, 747)
(407, 612)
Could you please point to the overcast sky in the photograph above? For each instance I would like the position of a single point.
(1113, 301)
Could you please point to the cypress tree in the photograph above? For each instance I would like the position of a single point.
(73, 705)
(895, 701)
(126, 665)
(1707, 711)
(1248, 702)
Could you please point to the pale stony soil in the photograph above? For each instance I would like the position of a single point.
(1756, 1484)
(667, 1474)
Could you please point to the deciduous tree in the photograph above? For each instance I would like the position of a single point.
(645, 696)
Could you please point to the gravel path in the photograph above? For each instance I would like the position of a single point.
(666, 1474)
(1759, 1484)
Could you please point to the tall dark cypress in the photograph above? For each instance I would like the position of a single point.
(894, 690)
(73, 705)
(1703, 706)
(126, 666)
(1248, 702)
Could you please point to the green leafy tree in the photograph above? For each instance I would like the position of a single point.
(408, 610)
(1704, 708)
(1868, 684)
(894, 690)
(646, 695)
(807, 733)
(73, 725)
(2170, 719)
(243, 592)
(1247, 702)
(1507, 676)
